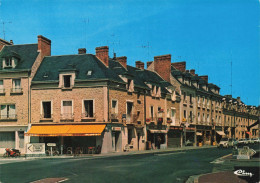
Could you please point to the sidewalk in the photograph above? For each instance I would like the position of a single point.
(114, 154)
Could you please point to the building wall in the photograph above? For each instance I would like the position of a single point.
(18, 125)
(77, 95)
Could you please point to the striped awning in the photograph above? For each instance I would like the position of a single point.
(66, 130)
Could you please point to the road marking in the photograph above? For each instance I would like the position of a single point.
(51, 180)
(169, 154)
(225, 156)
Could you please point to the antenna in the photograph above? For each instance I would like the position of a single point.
(86, 21)
(231, 73)
(3, 22)
(113, 41)
(147, 46)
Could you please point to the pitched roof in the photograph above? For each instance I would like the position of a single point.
(51, 66)
(27, 54)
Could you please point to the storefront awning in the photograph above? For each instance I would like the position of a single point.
(198, 133)
(158, 131)
(249, 133)
(221, 133)
(66, 130)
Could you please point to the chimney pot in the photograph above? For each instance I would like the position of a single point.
(122, 61)
(181, 66)
(82, 51)
(139, 64)
(205, 77)
(192, 71)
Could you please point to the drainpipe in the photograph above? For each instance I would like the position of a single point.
(145, 115)
(108, 101)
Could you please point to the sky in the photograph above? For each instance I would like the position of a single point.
(218, 38)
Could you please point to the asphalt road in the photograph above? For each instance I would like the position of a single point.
(167, 167)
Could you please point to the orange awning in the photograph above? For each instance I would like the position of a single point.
(66, 130)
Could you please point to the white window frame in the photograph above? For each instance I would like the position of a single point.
(42, 107)
(83, 106)
(72, 104)
(116, 109)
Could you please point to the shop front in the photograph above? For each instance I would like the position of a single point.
(174, 136)
(69, 139)
(156, 137)
(219, 133)
(204, 135)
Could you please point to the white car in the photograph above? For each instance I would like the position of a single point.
(256, 140)
(223, 143)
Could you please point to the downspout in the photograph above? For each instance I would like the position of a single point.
(108, 101)
(145, 114)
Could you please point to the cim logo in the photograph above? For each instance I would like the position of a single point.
(243, 173)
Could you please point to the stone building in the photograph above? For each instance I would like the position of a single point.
(18, 64)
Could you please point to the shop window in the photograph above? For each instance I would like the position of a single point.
(8, 111)
(88, 108)
(7, 139)
(46, 109)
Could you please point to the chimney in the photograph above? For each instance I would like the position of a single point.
(192, 71)
(162, 65)
(139, 64)
(114, 57)
(205, 77)
(82, 51)
(181, 66)
(44, 46)
(3, 43)
(102, 54)
(187, 71)
(11, 42)
(148, 64)
(122, 60)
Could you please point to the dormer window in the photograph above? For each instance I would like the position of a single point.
(130, 85)
(67, 81)
(8, 62)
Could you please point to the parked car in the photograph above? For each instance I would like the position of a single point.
(232, 142)
(256, 140)
(246, 141)
(251, 141)
(241, 142)
(223, 142)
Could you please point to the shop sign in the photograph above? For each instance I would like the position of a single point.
(35, 148)
(51, 144)
(116, 128)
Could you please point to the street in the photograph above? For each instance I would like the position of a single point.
(164, 167)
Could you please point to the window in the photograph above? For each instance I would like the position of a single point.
(191, 98)
(151, 112)
(16, 85)
(129, 111)
(184, 96)
(8, 112)
(208, 118)
(2, 90)
(8, 62)
(191, 118)
(114, 107)
(198, 99)
(67, 112)
(203, 117)
(184, 114)
(46, 109)
(88, 108)
(198, 116)
(67, 81)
